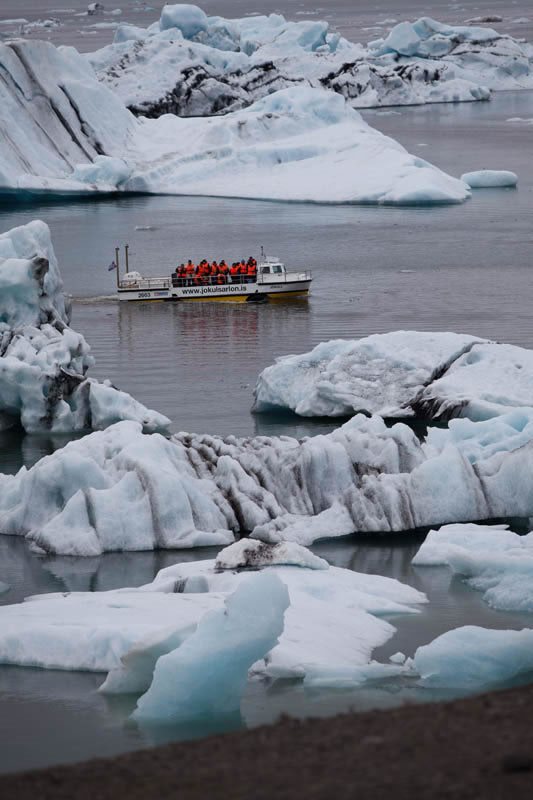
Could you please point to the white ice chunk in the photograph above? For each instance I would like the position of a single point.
(471, 657)
(379, 374)
(492, 560)
(208, 672)
(251, 553)
(490, 178)
(93, 630)
(333, 622)
(401, 374)
(331, 626)
(440, 545)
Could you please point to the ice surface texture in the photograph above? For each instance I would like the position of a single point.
(208, 672)
(192, 64)
(492, 560)
(43, 362)
(332, 625)
(65, 132)
(200, 489)
(401, 374)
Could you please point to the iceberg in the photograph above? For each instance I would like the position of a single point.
(464, 52)
(474, 658)
(401, 374)
(44, 362)
(492, 560)
(490, 178)
(208, 672)
(64, 132)
(193, 64)
(192, 490)
(333, 622)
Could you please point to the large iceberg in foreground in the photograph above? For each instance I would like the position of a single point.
(493, 560)
(333, 623)
(474, 658)
(207, 673)
(64, 132)
(219, 65)
(401, 374)
(194, 490)
(43, 362)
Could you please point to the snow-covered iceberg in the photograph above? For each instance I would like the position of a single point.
(492, 559)
(333, 622)
(401, 374)
(200, 489)
(190, 64)
(43, 362)
(474, 658)
(63, 131)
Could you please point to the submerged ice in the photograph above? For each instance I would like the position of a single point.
(43, 361)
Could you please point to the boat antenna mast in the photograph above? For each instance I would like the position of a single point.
(117, 263)
(263, 255)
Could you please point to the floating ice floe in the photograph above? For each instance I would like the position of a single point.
(189, 63)
(43, 362)
(159, 638)
(490, 178)
(79, 138)
(474, 658)
(401, 374)
(492, 559)
(195, 490)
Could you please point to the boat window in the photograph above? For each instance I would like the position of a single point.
(265, 270)
(277, 269)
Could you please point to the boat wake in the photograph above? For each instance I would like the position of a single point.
(98, 298)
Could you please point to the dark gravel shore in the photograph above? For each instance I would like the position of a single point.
(477, 748)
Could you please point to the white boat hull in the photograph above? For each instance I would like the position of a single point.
(149, 290)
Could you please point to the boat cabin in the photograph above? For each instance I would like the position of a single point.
(272, 266)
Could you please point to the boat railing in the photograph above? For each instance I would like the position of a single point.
(150, 284)
(144, 284)
(285, 277)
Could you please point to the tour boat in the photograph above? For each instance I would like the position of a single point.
(272, 282)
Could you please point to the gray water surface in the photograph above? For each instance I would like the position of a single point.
(469, 270)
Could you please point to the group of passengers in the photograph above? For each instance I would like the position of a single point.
(215, 273)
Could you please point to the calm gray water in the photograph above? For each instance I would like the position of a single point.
(471, 271)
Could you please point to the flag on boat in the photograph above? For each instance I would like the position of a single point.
(111, 267)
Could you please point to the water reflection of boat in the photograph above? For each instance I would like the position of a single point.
(272, 282)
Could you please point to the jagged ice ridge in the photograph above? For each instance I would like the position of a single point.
(44, 362)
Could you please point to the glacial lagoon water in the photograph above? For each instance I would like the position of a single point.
(465, 268)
